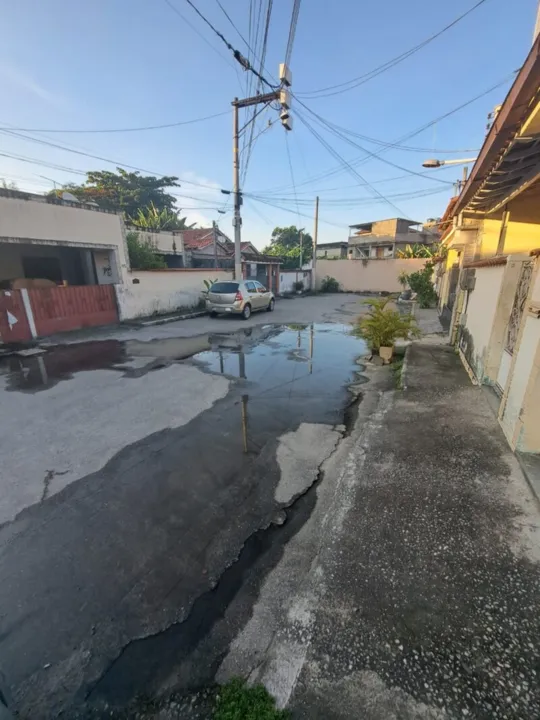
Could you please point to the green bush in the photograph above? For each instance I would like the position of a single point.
(382, 326)
(329, 285)
(420, 283)
(142, 254)
(237, 701)
(298, 285)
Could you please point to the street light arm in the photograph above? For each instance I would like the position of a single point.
(435, 163)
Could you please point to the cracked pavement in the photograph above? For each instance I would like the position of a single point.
(154, 511)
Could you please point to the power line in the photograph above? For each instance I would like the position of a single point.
(376, 156)
(366, 77)
(407, 136)
(234, 26)
(292, 30)
(292, 174)
(98, 157)
(195, 30)
(259, 86)
(293, 212)
(75, 171)
(236, 53)
(339, 202)
(335, 154)
(129, 129)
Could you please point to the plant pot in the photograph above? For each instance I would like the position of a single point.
(386, 353)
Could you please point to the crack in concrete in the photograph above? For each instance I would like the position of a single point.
(208, 608)
(49, 475)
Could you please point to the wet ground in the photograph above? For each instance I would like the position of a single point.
(136, 474)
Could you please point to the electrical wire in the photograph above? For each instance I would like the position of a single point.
(196, 31)
(366, 77)
(396, 144)
(259, 86)
(356, 174)
(292, 174)
(272, 194)
(233, 24)
(322, 122)
(97, 157)
(128, 129)
(293, 212)
(340, 202)
(236, 53)
(75, 171)
(292, 31)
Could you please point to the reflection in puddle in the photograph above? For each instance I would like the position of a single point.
(284, 362)
(307, 373)
(43, 371)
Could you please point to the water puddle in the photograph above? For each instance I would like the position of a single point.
(284, 361)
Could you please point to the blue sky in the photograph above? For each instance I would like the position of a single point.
(130, 63)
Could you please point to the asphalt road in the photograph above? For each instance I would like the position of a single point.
(137, 466)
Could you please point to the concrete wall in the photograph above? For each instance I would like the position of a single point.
(288, 278)
(38, 222)
(481, 308)
(520, 416)
(163, 291)
(367, 275)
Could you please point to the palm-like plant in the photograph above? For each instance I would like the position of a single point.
(150, 218)
(382, 326)
(417, 251)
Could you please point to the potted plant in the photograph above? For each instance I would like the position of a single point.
(298, 286)
(383, 325)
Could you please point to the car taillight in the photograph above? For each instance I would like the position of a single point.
(238, 297)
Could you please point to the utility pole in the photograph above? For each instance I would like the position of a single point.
(282, 95)
(315, 236)
(237, 218)
(301, 239)
(461, 183)
(214, 233)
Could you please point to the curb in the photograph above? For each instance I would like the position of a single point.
(170, 319)
(405, 367)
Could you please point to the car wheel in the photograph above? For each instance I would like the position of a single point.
(271, 305)
(213, 313)
(246, 312)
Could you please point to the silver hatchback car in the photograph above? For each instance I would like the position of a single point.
(239, 298)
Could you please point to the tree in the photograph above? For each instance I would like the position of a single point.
(142, 254)
(150, 218)
(285, 243)
(125, 191)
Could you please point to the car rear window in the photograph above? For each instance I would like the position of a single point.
(224, 287)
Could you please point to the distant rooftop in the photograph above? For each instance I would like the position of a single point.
(368, 225)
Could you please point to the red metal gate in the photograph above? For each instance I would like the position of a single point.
(59, 309)
(14, 325)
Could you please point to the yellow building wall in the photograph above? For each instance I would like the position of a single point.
(522, 231)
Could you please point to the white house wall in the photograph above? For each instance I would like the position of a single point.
(287, 280)
(34, 221)
(163, 291)
(524, 384)
(480, 315)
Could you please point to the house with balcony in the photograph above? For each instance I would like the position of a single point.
(384, 239)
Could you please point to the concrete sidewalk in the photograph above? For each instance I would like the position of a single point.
(432, 607)
(413, 589)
